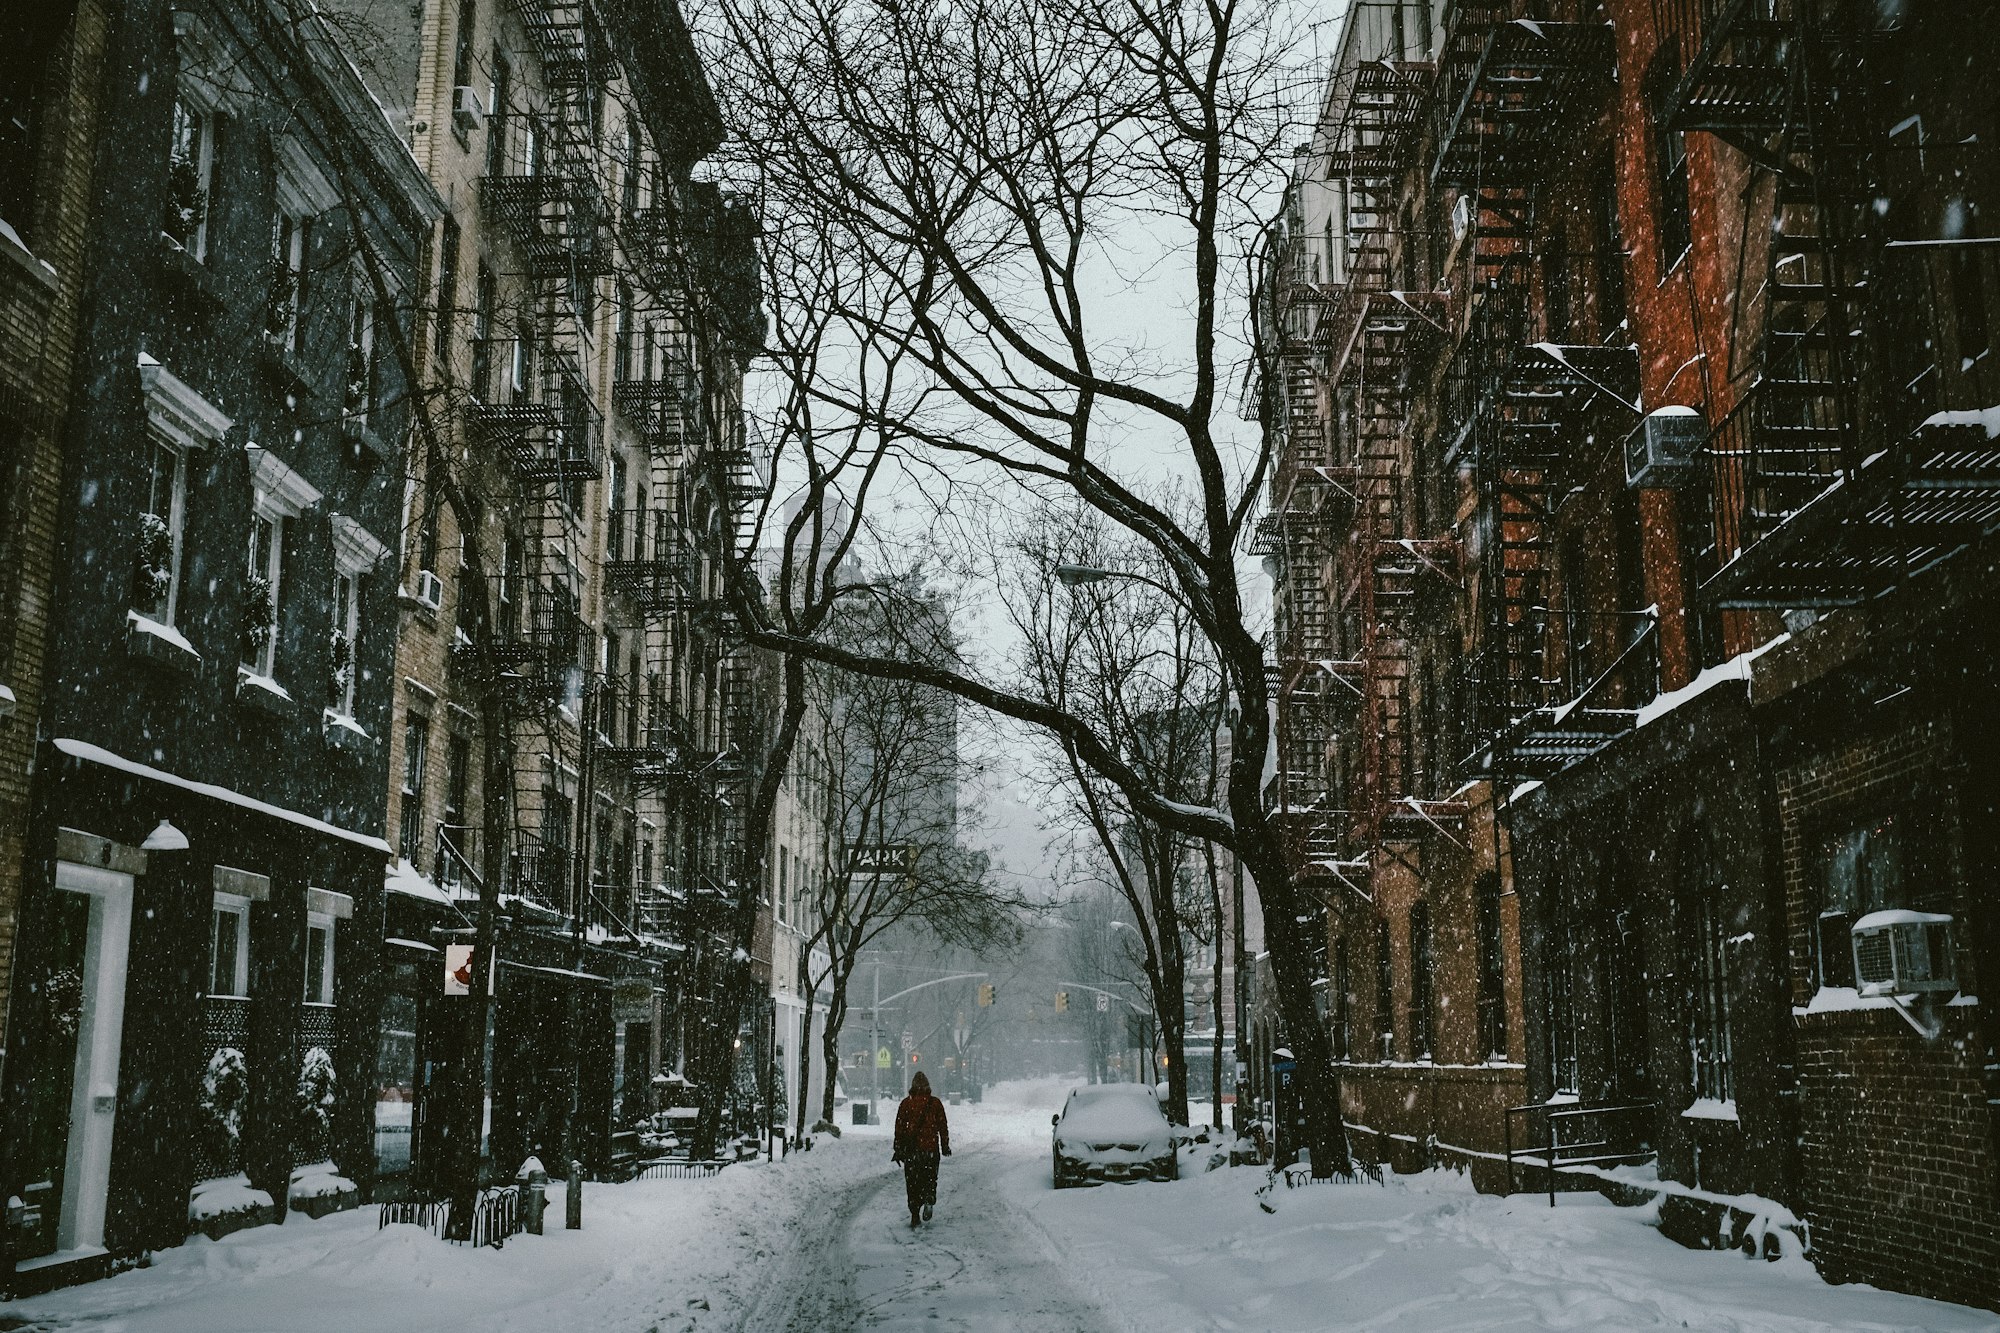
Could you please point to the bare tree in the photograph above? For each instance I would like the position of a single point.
(894, 766)
(1124, 655)
(984, 169)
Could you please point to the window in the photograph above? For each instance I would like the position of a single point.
(361, 389)
(159, 573)
(262, 581)
(621, 334)
(1385, 995)
(1871, 866)
(457, 782)
(1670, 163)
(229, 946)
(1558, 998)
(1422, 984)
(521, 368)
(1709, 1034)
(319, 959)
(461, 57)
(1492, 970)
(190, 163)
(447, 288)
(416, 764)
(486, 298)
(501, 94)
(1343, 1002)
(346, 642)
(1968, 303)
(1555, 283)
(1609, 244)
(629, 186)
(291, 248)
(32, 36)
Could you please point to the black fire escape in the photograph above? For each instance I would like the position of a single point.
(1506, 86)
(1837, 477)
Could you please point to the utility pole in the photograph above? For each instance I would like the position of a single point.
(874, 1079)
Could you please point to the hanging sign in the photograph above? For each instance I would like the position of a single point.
(458, 969)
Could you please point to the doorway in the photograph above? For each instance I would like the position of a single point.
(83, 1018)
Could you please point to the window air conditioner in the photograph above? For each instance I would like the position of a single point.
(466, 112)
(430, 589)
(1903, 953)
(1661, 452)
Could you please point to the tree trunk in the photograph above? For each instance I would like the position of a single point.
(1259, 846)
(719, 1069)
(829, 1042)
(1172, 1014)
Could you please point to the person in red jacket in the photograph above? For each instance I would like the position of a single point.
(922, 1136)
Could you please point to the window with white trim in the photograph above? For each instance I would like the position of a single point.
(360, 390)
(262, 580)
(279, 494)
(190, 166)
(319, 959)
(291, 245)
(157, 594)
(229, 947)
(345, 642)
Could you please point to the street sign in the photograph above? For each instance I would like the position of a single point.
(1104, 1004)
(909, 1042)
(458, 969)
(959, 1036)
(882, 1058)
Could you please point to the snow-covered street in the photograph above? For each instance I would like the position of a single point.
(821, 1242)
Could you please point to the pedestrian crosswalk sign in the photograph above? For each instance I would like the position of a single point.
(882, 1058)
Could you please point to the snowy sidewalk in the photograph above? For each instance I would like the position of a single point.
(654, 1256)
(1425, 1254)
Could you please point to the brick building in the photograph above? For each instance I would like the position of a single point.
(1713, 443)
(48, 111)
(192, 1019)
(573, 714)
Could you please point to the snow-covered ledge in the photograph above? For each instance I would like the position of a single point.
(263, 692)
(148, 638)
(344, 733)
(176, 410)
(12, 246)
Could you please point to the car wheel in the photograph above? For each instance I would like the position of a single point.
(1061, 1183)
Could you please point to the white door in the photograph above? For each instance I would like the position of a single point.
(100, 1028)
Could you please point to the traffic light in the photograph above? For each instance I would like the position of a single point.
(985, 994)
(1062, 1001)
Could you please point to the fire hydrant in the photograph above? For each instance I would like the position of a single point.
(533, 1178)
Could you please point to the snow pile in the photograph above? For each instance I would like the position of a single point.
(225, 1196)
(321, 1180)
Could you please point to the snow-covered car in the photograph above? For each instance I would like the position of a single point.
(1113, 1131)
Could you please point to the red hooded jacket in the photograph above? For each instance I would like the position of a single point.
(920, 1122)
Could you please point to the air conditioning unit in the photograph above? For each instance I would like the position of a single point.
(1902, 952)
(1662, 451)
(466, 111)
(430, 589)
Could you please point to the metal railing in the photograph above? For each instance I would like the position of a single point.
(1575, 1134)
(681, 1168)
(496, 1215)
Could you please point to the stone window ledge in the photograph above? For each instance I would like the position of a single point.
(160, 644)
